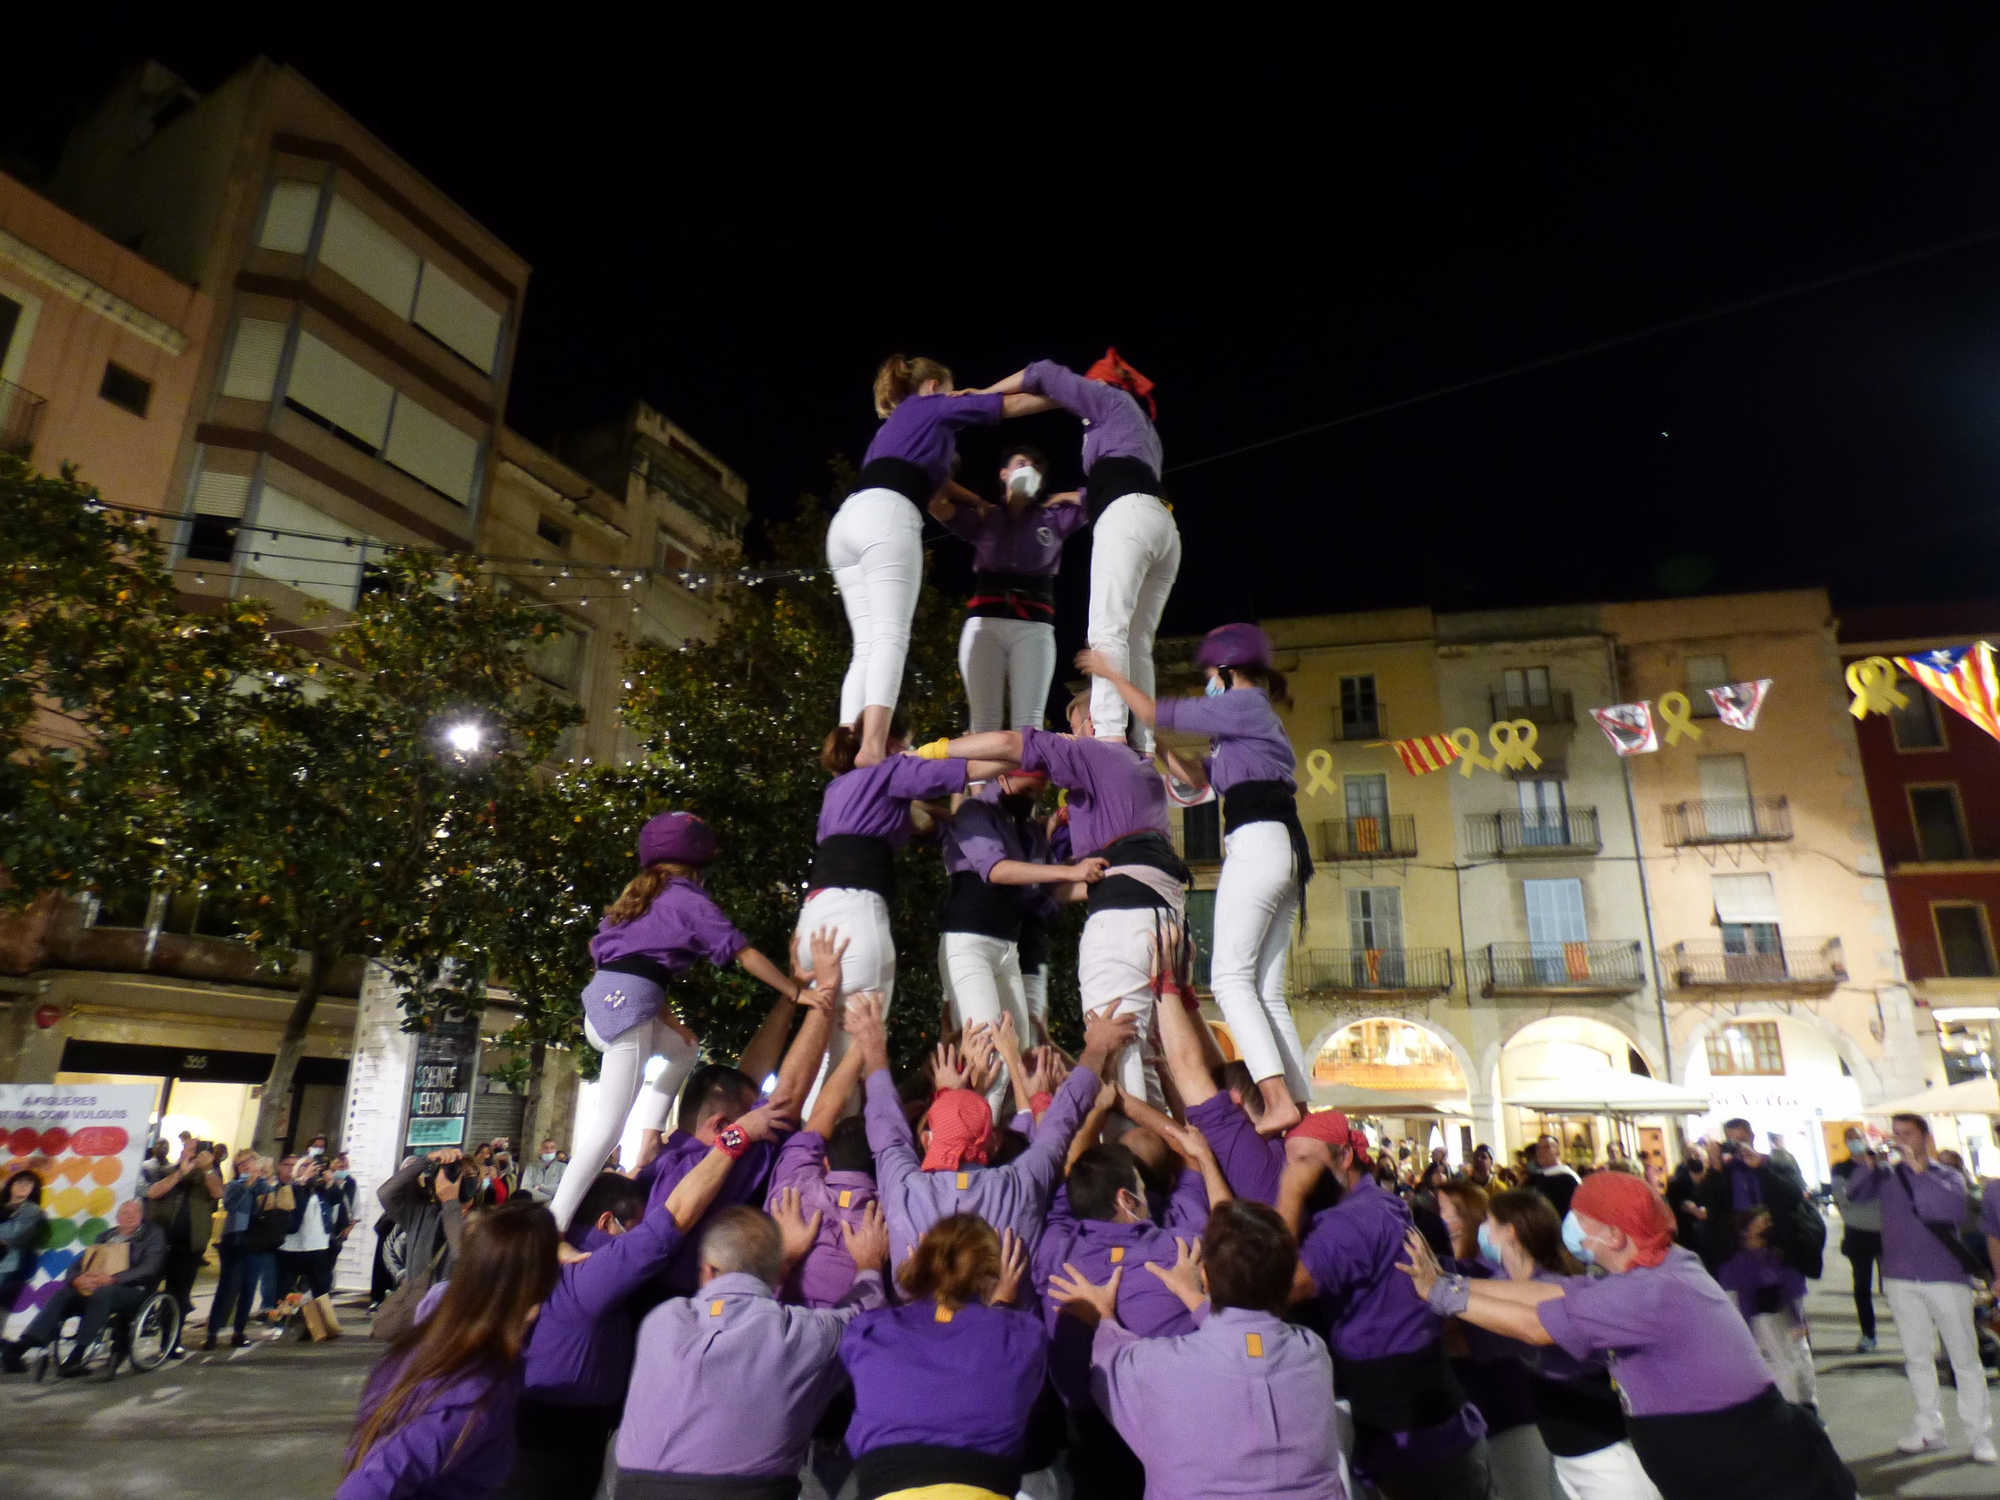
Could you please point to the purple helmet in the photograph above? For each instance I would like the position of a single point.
(676, 838)
(1234, 646)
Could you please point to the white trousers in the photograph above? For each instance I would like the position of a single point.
(875, 547)
(1036, 987)
(619, 1098)
(1926, 1311)
(1612, 1473)
(1135, 554)
(862, 918)
(1114, 970)
(982, 979)
(1255, 903)
(1520, 1463)
(1006, 664)
(1782, 1340)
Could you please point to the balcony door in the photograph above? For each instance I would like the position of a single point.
(1544, 814)
(1375, 935)
(1526, 687)
(1746, 909)
(1557, 932)
(1725, 796)
(1367, 813)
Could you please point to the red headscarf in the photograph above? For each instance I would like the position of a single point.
(961, 1130)
(1331, 1126)
(1625, 1202)
(1114, 371)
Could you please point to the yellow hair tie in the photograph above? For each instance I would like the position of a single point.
(935, 750)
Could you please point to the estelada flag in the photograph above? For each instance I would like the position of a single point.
(1738, 704)
(1629, 727)
(1427, 753)
(1962, 676)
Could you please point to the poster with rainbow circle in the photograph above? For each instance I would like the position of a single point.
(84, 1142)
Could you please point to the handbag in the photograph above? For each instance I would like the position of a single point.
(1946, 1234)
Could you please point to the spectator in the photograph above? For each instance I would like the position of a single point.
(540, 1178)
(1480, 1173)
(1784, 1161)
(1683, 1196)
(99, 1295)
(1860, 1235)
(21, 1221)
(1926, 1277)
(1971, 1230)
(183, 1205)
(504, 1172)
(1617, 1159)
(157, 1163)
(319, 1222)
(246, 1191)
(423, 1199)
(316, 1148)
(1550, 1176)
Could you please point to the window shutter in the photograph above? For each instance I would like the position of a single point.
(1555, 911)
(221, 494)
(425, 445)
(333, 386)
(1745, 899)
(1724, 778)
(288, 217)
(458, 320)
(369, 256)
(253, 359)
(312, 551)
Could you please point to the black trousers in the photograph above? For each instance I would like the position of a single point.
(183, 1265)
(1101, 1462)
(1466, 1475)
(312, 1267)
(1863, 1249)
(97, 1309)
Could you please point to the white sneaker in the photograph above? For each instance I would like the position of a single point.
(1922, 1440)
(1983, 1451)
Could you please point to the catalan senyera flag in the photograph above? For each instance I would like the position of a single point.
(1427, 753)
(1964, 677)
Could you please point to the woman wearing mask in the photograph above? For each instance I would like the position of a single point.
(246, 1191)
(1266, 860)
(1701, 1410)
(21, 1220)
(437, 1414)
(875, 542)
(1007, 652)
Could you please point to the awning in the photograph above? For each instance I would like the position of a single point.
(1744, 898)
(1608, 1094)
(1976, 1096)
(1365, 1104)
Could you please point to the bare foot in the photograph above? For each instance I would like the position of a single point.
(1281, 1112)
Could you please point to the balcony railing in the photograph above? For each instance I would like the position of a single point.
(1728, 820)
(1525, 835)
(1368, 838)
(20, 418)
(1375, 971)
(1590, 968)
(1801, 966)
(1366, 727)
(1559, 709)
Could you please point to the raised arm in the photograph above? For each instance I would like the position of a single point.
(1181, 1043)
(801, 1065)
(1011, 386)
(1096, 664)
(1020, 872)
(839, 1088)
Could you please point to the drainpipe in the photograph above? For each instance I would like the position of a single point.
(1639, 864)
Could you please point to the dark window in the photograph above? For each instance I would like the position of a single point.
(1201, 831)
(551, 533)
(212, 538)
(1636, 1065)
(122, 388)
(1360, 713)
(352, 439)
(10, 314)
(1963, 940)
(1916, 725)
(1940, 831)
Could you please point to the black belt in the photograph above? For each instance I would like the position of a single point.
(644, 1484)
(1400, 1392)
(898, 474)
(643, 967)
(1034, 941)
(549, 1427)
(972, 905)
(1014, 596)
(1269, 802)
(1114, 478)
(1577, 1416)
(1123, 892)
(855, 862)
(911, 1466)
(1761, 1449)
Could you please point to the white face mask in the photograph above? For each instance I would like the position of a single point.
(547, 1157)
(315, 1151)
(1026, 480)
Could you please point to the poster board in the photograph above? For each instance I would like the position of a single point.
(85, 1141)
(447, 1069)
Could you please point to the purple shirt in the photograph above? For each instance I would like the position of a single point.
(732, 1381)
(923, 430)
(1183, 1212)
(1246, 740)
(1251, 1164)
(579, 1353)
(679, 1155)
(1671, 1336)
(426, 1456)
(874, 801)
(980, 834)
(1096, 1248)
(1911, 1252)
(1989, 1207)
(965, 1377)
(1029, 544)
(1114, 424)
(682, 925)
(1014, 1197)
(1113, 789)
(1241, 1406)
(823, 1277)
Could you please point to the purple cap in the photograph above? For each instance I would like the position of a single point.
(1234, 646)
(676, 838)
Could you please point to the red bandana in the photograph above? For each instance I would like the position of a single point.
(1114, 371)
(961, 1130)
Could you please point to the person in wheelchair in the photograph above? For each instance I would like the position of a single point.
(98, 1287)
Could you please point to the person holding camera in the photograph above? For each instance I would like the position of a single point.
(320, 1221)
(183, 1204)
(1926, 1275)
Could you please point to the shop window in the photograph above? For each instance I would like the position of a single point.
(1964, 939)
(1940, 826)
(1746, 1048)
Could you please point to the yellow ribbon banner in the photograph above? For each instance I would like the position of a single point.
(1513, 742)
(1674, 713)
(1873, 683)
(1319, 769)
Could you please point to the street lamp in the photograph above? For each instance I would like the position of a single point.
(465, 737)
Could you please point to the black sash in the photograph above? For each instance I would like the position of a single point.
(643, 1484)
(1763, 1449)
(911, 1466)
(1269, 802)
(1013, 596)
(1400, 1392)
(972, 905)
(1577, 1416)
(1114, 478)
(898, 474)
(1122, 892)
(548, 1427)
(644, 967)
(855, 862)
(1034, 942)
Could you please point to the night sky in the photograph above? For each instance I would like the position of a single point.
(1280, 230)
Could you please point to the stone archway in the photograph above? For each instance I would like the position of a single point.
(1619, 1022)
(1866, 1077)
(1452, 1044)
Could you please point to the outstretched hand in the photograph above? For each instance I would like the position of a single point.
(1184, 1279)
(798, 1233)
(864, 1025)
(766, 1120)
(1083, 1298)
(1096, 664)
(1013, 1268)
(868, 1243)
(948, 1069)
(1422, 1267)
